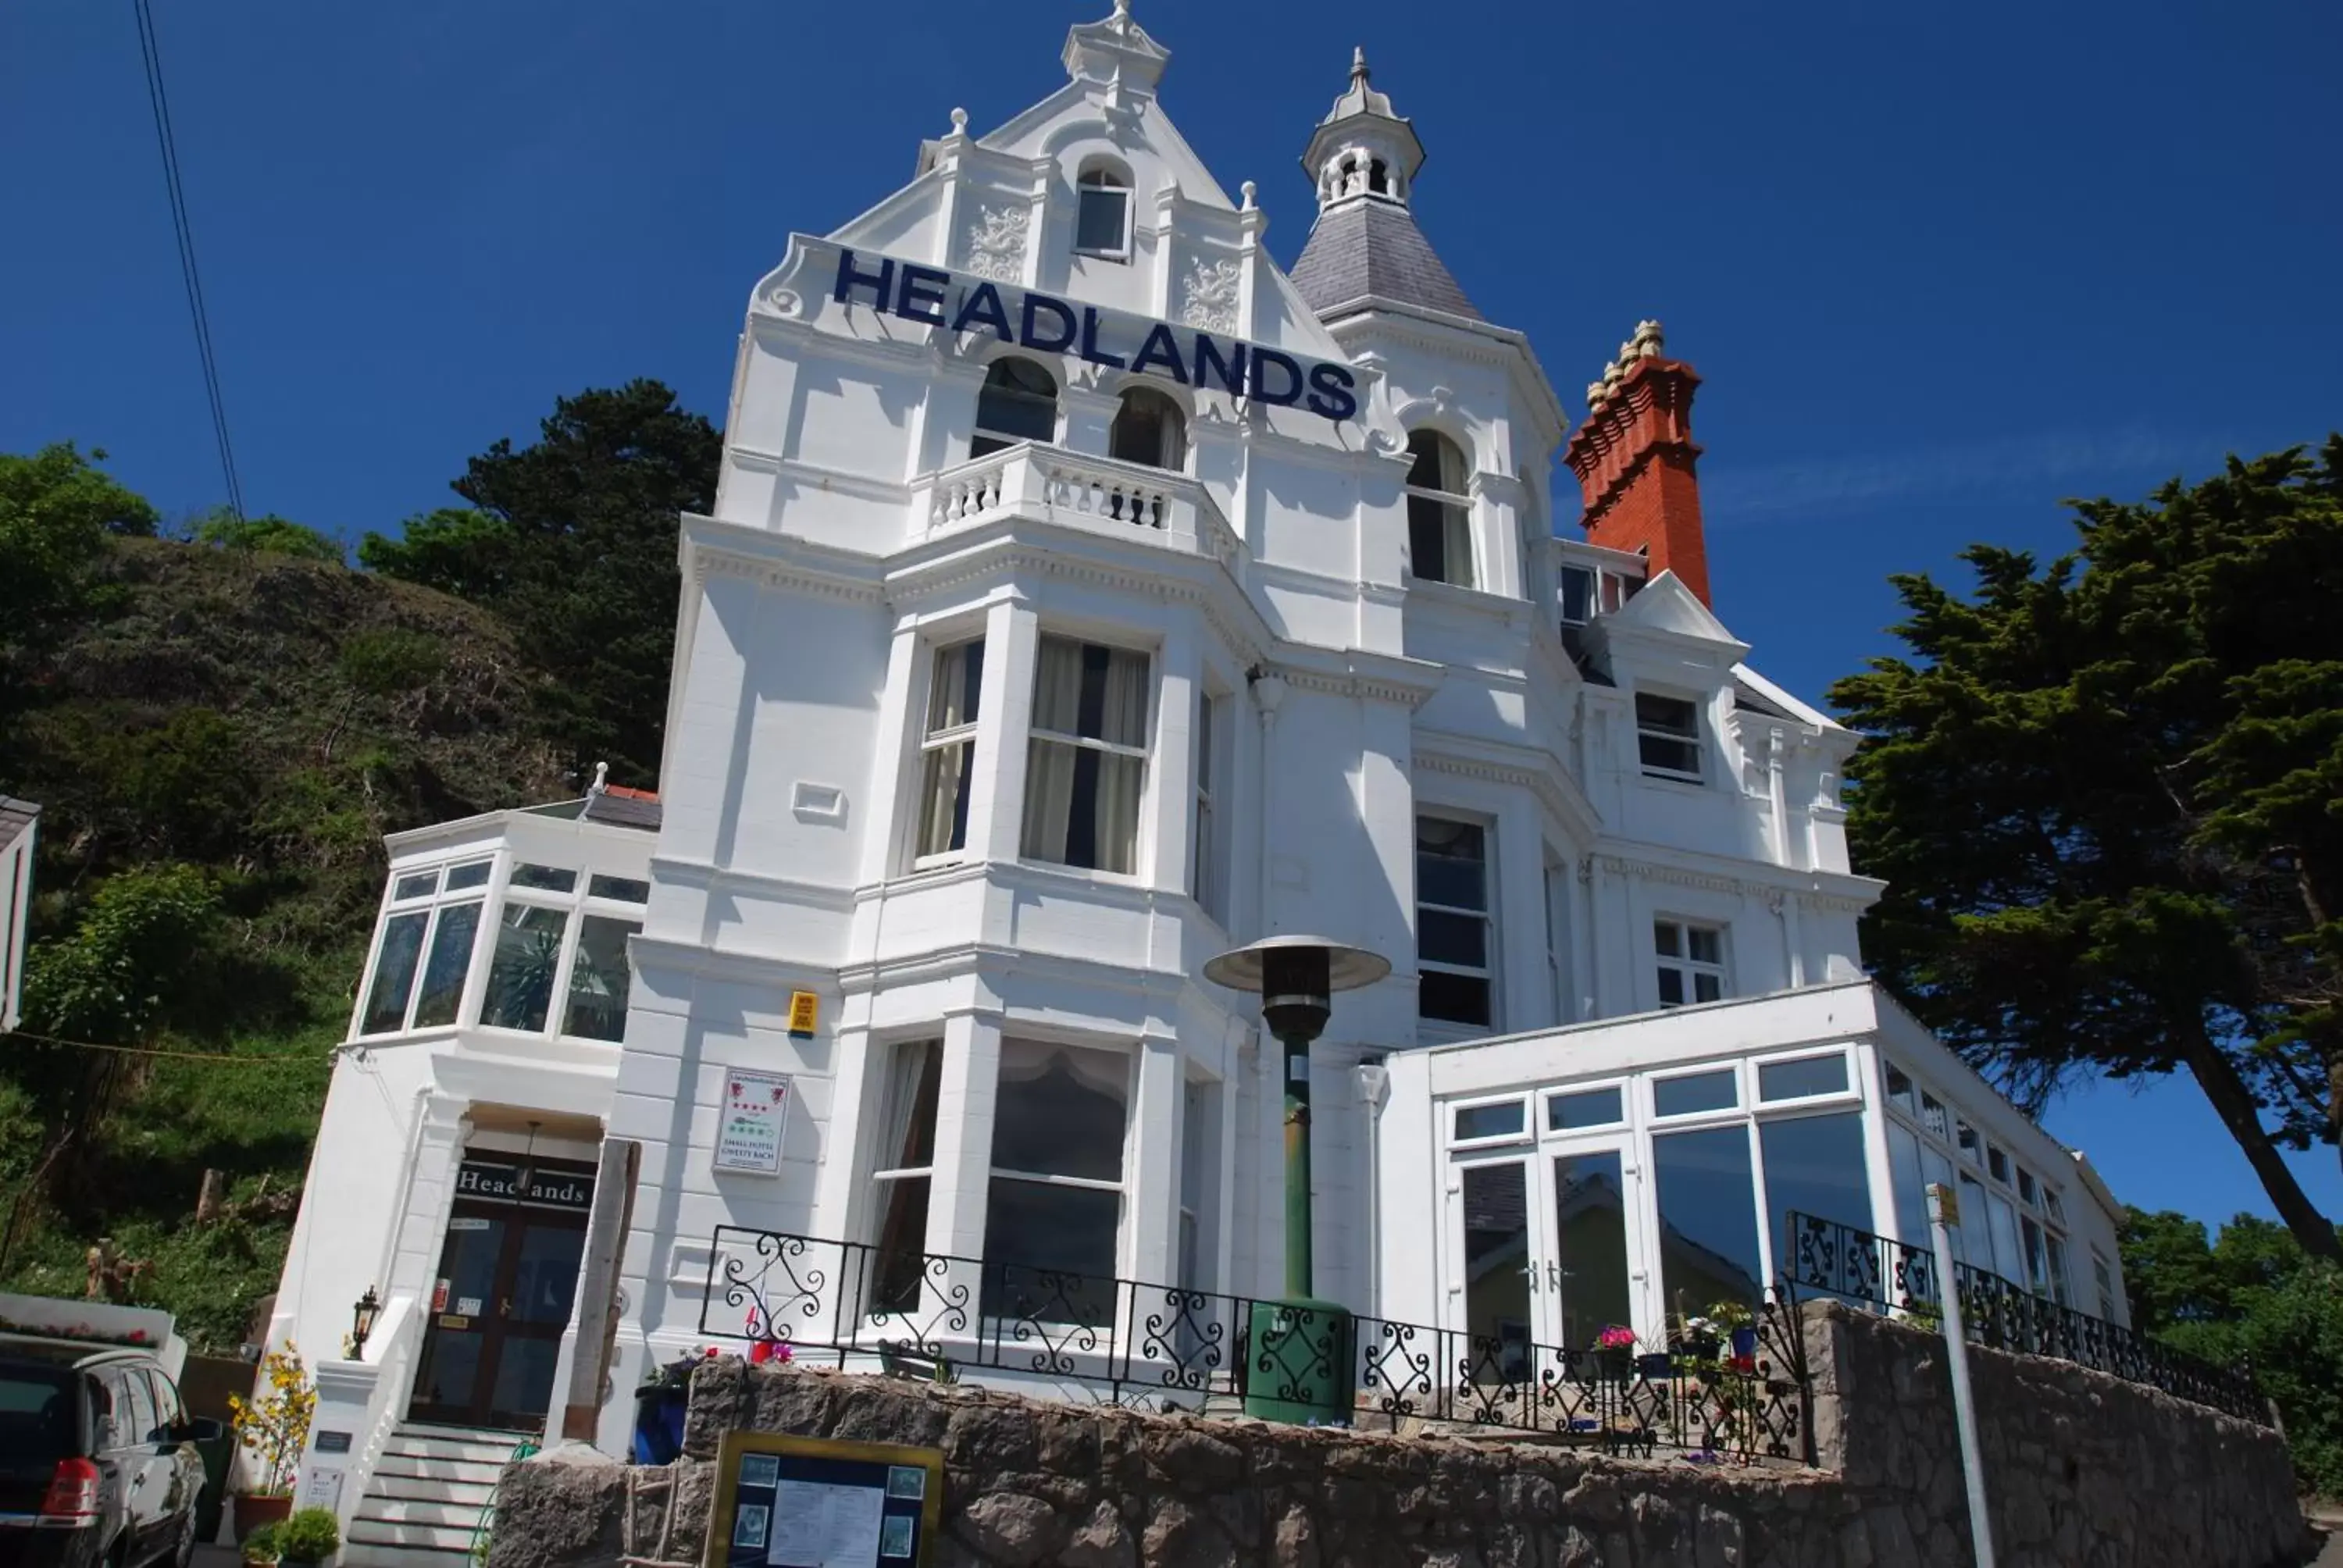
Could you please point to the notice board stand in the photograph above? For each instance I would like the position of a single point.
(812, 1502)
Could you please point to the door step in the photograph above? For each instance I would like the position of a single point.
(429, 1495)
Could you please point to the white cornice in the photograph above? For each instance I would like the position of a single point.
(1525, 770)
(1837, 891)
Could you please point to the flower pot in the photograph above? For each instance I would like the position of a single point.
(1745, 1343)
(252, 1511)
(1614, 1363)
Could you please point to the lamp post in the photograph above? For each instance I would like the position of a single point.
(362, 1317)
(1300, 1362)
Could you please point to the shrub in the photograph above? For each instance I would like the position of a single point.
(310, 1535)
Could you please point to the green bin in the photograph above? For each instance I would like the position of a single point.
(216, 1443)
(1301, 1364)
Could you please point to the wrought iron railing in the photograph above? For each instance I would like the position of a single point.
(1172, 1346)
(1822, 1257)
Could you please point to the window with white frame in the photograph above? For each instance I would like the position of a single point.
(1086, 769)
(1453, 949)
(1148, 429)
(1558, 924)
(1667, 736)
(1054, 1206)
(1691, 961)
(561, 960)
(1102, 214)
(1208, 870)
(2013, 1220)
(425, 950)
(1438, 511)
(948, 748)
(903, 1154)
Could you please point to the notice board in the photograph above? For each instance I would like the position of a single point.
(813, 1503)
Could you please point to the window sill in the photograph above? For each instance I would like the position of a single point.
(1122, 255)
(1683, 781)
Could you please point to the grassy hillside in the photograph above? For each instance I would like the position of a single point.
(262, 719)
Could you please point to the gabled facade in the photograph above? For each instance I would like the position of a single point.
(1086, 595)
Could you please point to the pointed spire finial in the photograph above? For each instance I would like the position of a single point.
(1359, 63)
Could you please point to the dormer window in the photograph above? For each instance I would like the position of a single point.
(1102, 214)
(1019, 403)
(1148, 428)
(1667, 736)
(1439, 512)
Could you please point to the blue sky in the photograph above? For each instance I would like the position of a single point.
(1940, 267)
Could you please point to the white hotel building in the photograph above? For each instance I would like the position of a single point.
(1087, 594)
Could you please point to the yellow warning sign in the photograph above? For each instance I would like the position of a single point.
(804, 1008)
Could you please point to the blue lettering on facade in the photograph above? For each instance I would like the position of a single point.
(1050, 326)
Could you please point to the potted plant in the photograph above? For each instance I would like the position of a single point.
(309, 1537)
(1614, 1353)
(1739, 1325)
(274, 1427)
(260, 1549)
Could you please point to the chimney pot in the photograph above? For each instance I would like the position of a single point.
(1635, 460)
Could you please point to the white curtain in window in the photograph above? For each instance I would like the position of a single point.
(899, 1103)
(1049, 765)
(1125, 717)
(1456, 523)
(1058, 685)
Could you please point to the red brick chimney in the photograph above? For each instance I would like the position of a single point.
(1634, 457)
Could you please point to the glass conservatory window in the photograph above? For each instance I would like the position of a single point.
(416, 885)
(441, 995)
(1691, 1093)
(521, 976)
(1504, 1119)
(1900, 1091)
(475, 875)
(1708, 1218)
(394, 973)
(1815, 1165)
(1584, 1107)
(547, 878)
(1496, 1282)
(620, 890)
(1803, 1078)
(600, 979)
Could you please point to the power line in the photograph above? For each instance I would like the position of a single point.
(148, 1050)
(150, 51)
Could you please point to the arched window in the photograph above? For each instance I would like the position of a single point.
(1102, 214)
(1439, 512)
(1148, 428)
(1376, 182)
(1019, 403)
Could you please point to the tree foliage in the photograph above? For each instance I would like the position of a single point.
(219, 733)
(225, 530)
(2104, 795)
(2250, 1295)
(571, 541)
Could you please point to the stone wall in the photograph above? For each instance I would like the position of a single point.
(2086, 1472)
(2080, 1467)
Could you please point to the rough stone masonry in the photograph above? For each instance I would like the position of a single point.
(2085, 1472)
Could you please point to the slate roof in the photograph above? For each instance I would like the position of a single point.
(623, 808)
(15, 816)
(1372, 248)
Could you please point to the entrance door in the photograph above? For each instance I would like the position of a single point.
(508, 1277)
(1591, 1260)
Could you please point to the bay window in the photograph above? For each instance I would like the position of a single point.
(948, 748)
(1087, 759)
(904, 1152)
(425, 951)
(1053, 1208)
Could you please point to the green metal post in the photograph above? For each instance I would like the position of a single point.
(1297, 1169)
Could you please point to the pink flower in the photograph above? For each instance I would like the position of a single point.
(1615, 1338)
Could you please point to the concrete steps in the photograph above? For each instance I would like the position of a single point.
(431, 1487)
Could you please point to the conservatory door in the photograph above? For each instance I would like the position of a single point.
(1592, 1272)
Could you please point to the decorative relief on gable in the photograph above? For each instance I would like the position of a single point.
(1209, 293)
(996, 242)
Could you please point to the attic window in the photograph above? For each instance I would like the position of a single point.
(1102, 214)
(1667, 736)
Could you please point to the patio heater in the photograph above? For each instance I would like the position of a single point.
(1300, 1360)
